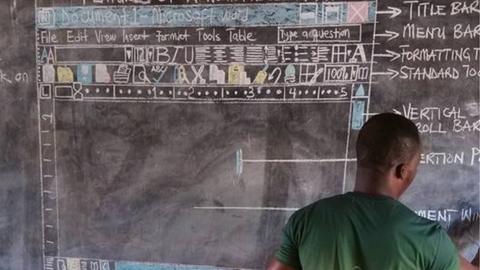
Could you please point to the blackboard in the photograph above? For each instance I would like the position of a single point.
(182, 134)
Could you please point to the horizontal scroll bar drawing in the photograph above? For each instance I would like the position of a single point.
(286, 209)
(240, 161)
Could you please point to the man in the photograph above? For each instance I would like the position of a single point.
(368, 229)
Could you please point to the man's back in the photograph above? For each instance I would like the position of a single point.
(357, 231)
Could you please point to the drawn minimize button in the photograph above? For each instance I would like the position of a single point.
(333, 12)
(308, 13)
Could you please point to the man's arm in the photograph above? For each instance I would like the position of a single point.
(277, 265)
(465, 265)
(287, 256)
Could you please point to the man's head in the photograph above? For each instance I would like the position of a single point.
(388, 153)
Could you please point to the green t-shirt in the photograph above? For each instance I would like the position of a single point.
(357, 231)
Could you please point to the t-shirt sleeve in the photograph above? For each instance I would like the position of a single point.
(446, 257)
(288, 251)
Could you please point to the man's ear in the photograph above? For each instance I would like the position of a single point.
(401, 171)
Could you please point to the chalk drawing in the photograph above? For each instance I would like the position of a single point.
(358, 111)
(122, 74)
(180, 75)
(308, 13)
(65, 75)
(246, 208)
(48, 56)
(194, 16)
(74, 264)
(238, 162)
(101, 74)
(261, 76)
(85, 73)
(333, 13)
(360, 92)
(216, 75)
(48, 72)
(290, 74)
(237, 75)
(152, 266)
(358, 12)
(124, 54)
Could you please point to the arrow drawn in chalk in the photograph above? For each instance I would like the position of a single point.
(392, 11)
(390, 72)
(390, 54)
(390, 34)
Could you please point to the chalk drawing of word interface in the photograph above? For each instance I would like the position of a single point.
(308, 52)
(70, 263)
(286, 52)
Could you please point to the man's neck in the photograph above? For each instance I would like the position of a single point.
(373, 182)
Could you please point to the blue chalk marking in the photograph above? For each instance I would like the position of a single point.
(45, 55)
(372, 11)
(85, 73)
(334, 13)
(358, 114)
(308, 13)
(280, 14)
(45, 17)
(152, 266)
(360, 91)
(238, 162)
(172, 16)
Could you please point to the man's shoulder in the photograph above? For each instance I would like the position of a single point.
(407, 215)
(418, 229)
(317, 211)
(428, 238)
(326, 202)
(396, 210)
(333, 203)
(344, 203)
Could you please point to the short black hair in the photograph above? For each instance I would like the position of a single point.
(387, 139)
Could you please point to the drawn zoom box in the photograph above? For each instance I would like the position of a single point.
(346, 73)
(331, 33)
